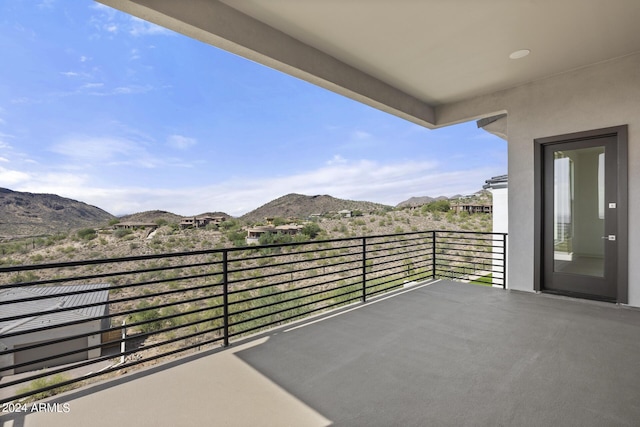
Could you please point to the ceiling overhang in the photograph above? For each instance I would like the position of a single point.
(409, 58)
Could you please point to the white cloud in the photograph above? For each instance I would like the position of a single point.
(23, 100)
(360, 180)
(84, 58)
(360, 135)
(92, 85)
(180, 142)
(10, 177)
(120, 90)
(4, 159)
(46, 4)
(139, 27)
(126, 90)
(70, 74)
(336, 160)
(84, 152)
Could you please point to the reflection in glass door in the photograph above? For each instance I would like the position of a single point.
(580, 217)
(579, 211)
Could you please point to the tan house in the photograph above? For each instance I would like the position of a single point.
(254, 233)
(472, 208)
(201, 221)
(132, 225)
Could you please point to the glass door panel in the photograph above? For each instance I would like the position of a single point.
(579, 211)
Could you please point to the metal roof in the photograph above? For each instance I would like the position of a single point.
(500, 181)
(100, 294)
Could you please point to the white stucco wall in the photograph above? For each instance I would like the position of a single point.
(500, 210)
(599, 96)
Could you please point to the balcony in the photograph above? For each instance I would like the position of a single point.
(347, 332)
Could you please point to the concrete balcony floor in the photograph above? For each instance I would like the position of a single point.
(442, 354)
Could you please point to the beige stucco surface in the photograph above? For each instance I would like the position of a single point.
(599, 96)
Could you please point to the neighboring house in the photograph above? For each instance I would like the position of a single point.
(472, 207)
(201, 221)
(89, 317)
(132, 225)
(290, 229)
(254, 233)
(498, 186)
(345, 213)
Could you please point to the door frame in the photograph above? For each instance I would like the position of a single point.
(621, 135)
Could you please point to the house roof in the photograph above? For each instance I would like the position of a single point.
(500, 181)
(414, 59)
(100, 294)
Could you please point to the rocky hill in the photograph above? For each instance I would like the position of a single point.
(301, 206)
(423, 200)
(155, 215)
(28, 214)
(151, 216)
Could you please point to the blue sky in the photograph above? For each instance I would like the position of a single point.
(108, 109)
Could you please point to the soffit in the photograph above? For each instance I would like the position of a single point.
(443, 51)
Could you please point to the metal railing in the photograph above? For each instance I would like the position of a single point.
(86, 319)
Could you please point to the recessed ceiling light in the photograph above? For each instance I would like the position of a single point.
(520, 54)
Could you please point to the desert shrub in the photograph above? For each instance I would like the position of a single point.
(230, 224)
(274, 238)
(40, 383)
(312, 230)
(121, 232)
(87, 234)
(151, 315)
(37, 258)
(437, 206)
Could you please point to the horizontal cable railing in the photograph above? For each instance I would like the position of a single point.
(63, 324)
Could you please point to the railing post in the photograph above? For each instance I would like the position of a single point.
(225, 296)
(504, 261)
(364, 269)
(433, 255)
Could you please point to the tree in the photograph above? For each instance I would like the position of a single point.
(87, 233)
(279, 221)
(311, 229)
(437, 206)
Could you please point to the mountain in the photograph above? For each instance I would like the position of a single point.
(301, 206)
(29, 214)
(415, 201)
(151, 216)
(155, 215)
(419, 201)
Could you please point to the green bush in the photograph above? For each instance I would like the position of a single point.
(230, 224)
(274, 238)
(311, 229)
(87, 234)
(121, 232)
(40, 383)
(437, 206)
(149, 315)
